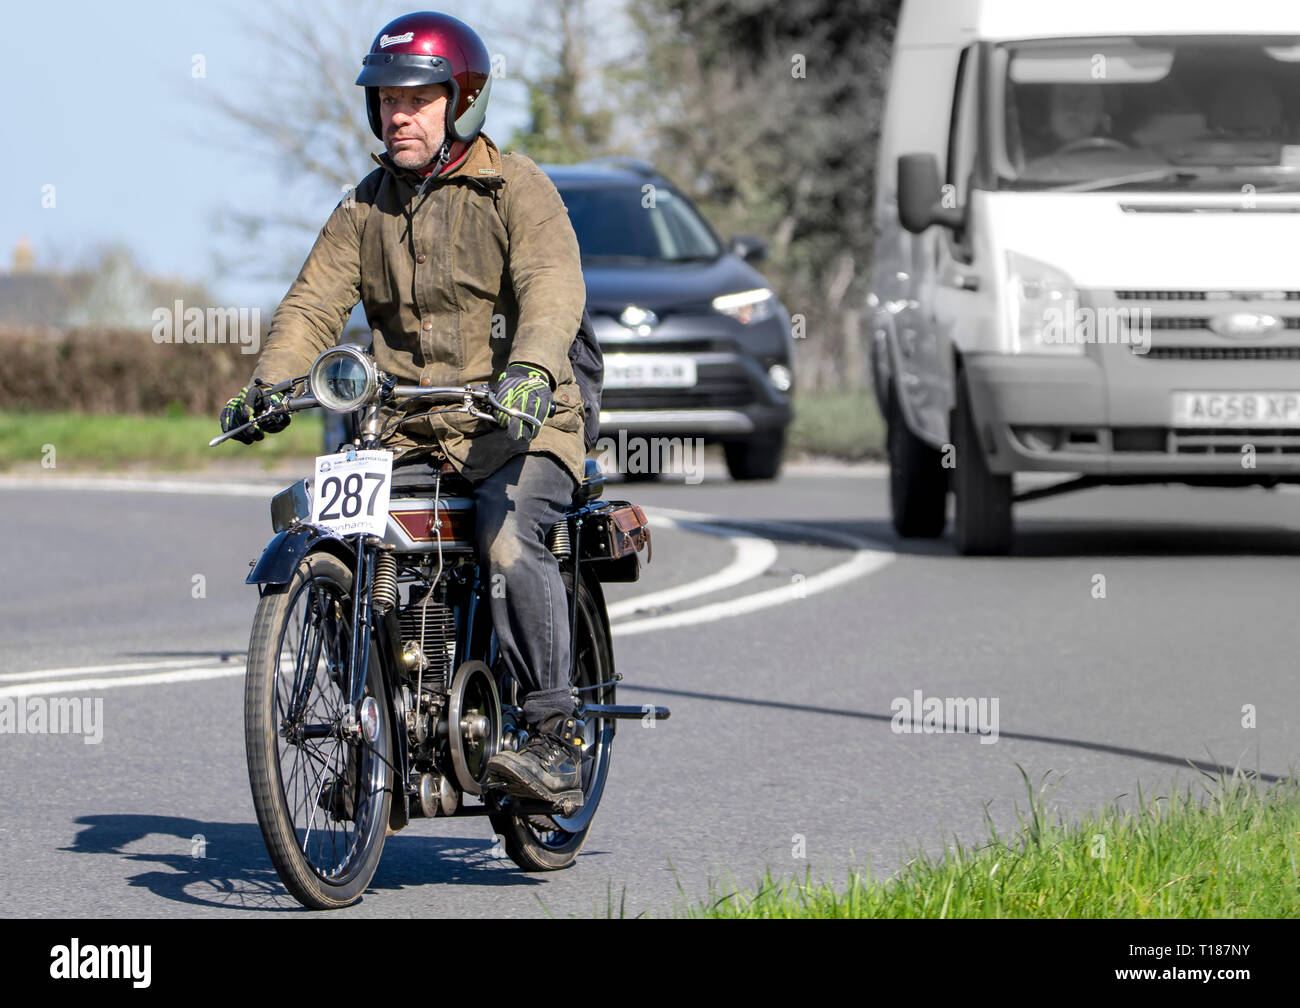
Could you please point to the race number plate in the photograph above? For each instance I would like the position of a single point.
(1236, 409)
(350, 492)
(649, 371)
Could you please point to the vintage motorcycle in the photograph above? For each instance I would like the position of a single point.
(373, 695)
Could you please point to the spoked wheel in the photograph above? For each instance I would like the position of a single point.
(549, 842)
(322, 792)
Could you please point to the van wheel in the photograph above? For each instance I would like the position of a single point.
(982, 524)
(918, 482)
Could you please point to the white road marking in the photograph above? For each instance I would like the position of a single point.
(94, 685)
(95, 669)
(264, 490)
(865, 560)
(753, 557)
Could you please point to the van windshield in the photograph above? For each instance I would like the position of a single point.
(1195, 113)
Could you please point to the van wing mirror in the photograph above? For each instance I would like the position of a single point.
(921, 197)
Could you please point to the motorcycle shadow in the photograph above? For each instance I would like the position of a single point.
(225, 865)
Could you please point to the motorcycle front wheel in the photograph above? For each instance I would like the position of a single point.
(321, 791)
(551, 842)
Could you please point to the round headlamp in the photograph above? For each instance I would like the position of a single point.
(343, 379)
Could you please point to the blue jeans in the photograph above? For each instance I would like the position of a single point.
(515, 508)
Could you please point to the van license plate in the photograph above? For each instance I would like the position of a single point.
(1236, 409)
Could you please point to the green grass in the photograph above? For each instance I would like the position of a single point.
(1229, 852)
(99, 441)
(843, 425)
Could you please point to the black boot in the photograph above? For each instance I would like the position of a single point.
(548, 768)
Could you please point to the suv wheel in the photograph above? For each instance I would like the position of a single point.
(759, 458)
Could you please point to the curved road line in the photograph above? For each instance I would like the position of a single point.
(753, 557)
(868, 557)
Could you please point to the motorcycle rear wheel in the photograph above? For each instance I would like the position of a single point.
(322, 799)
(552, 842)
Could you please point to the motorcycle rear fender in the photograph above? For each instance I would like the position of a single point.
(283, 553)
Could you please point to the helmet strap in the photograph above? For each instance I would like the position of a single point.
(439, 162)
(444, 154)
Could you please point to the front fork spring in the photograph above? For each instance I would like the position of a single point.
(384, 596)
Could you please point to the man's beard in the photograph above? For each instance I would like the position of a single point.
(415, 158)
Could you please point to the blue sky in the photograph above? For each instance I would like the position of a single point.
(103, 105)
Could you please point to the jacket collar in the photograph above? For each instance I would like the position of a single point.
(481, 166)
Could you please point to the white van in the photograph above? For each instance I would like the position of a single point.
(1087, 252)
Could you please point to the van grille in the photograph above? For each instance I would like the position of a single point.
(1221, 353)
(1201, 295)
(1230, 441)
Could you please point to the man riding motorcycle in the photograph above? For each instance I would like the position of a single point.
(468, 270)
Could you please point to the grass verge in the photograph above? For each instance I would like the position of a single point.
(108, 441)
(842, 425)
(1231, 852)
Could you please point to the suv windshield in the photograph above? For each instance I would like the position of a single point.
(1150, 113)
(627, 222)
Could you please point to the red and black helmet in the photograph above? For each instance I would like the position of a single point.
(431, 48)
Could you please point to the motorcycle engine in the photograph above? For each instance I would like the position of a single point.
(432, 626)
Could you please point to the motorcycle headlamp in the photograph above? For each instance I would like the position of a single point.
(343, 379)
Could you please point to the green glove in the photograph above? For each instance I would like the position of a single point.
(251, 402)
(527, 389)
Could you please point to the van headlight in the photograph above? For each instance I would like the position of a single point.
(747, 307)
(344, 378)
(1044, 308)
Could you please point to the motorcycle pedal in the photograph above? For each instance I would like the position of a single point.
(568, 802)
(563, 803)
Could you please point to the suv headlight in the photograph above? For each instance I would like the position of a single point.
(1044, 305)
(747, 307)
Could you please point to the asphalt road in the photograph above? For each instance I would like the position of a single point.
(1122, 640)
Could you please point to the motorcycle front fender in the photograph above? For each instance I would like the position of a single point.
(282, 554)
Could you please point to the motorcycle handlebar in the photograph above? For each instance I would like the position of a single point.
(397, 393)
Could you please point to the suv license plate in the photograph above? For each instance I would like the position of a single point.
(648, 371)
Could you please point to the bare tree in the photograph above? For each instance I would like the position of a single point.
(303, 112)
(768, 113)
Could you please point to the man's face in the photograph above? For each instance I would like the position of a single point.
(1077, 111)
(414, 121)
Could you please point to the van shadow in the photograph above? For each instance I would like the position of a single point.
(226, 866)
(1208, 767)
(1066, 538)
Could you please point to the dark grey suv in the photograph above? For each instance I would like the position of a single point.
(696, 343)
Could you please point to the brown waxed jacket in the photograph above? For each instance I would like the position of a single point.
(477, 271)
